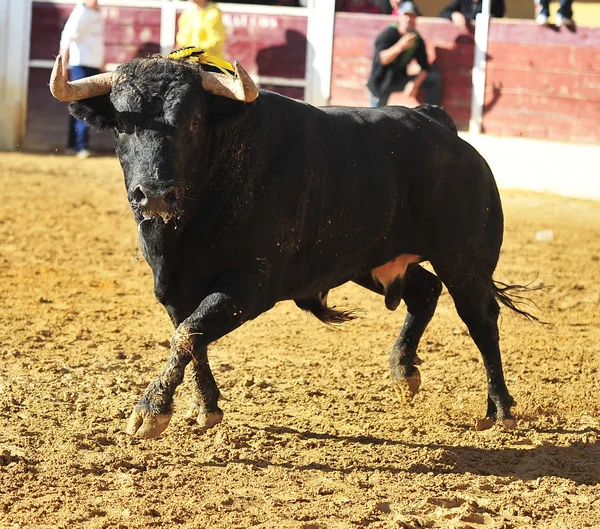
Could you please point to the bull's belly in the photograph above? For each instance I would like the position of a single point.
(391, 277)
(393, 270)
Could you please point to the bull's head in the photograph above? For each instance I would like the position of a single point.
(160, 114)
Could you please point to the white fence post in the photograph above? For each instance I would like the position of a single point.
(482, 30)
(15, 30)
(319, 51)
(168, 23)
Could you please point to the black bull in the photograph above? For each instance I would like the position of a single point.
(241, 205)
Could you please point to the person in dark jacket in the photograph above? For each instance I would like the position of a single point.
(463, 12)
(395, 48)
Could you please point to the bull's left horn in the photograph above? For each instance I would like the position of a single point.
(63, 90)
(241, 87)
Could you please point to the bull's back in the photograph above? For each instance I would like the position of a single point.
(366, 185)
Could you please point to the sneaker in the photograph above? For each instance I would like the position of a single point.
(564, 21)
(83, 153)
(541, 20)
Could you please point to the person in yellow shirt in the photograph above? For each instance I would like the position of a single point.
(201, 25)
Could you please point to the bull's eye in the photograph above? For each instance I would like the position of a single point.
(125, 127)
(195, 125)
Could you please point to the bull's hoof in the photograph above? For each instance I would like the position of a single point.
(487, 422)
(484, 424)
(142, 424)
(205, 420)
(509, 424)
(407, 388)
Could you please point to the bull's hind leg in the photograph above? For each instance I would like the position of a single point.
(420, 290)
(476, 305)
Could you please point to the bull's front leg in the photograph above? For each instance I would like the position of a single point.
(231, 303)
(152, 414)
(204, 409)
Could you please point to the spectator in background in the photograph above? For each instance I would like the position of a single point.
(395, 7)
(202, 25)
(357, 6)
(463, 12)
(82, 48)
(564, 17)
(395, 47)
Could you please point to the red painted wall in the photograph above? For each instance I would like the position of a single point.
(266, 44)
(543, 83)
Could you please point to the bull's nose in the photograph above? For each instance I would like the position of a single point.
(154, 199)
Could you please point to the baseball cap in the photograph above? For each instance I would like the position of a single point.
(409, 8)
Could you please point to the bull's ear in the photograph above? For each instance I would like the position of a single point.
(97, 112)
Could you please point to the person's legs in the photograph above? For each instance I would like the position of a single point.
(80, 127)
(565, 11)
(71, 137)
(433, 88)
(81, 135)
(375, 101)
(566, 8)
(542, 12)
(396, 86)
(542, 7)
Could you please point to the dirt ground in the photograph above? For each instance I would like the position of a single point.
(313, 436)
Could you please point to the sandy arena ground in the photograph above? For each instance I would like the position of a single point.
(313, 436)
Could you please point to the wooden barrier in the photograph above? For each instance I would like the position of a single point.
(270, 45)
(543, 82)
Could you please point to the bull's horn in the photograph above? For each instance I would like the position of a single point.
(241, 87)
(63, 90)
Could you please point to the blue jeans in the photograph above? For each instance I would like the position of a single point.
(542, 7)
(78, 130)
(432, 85)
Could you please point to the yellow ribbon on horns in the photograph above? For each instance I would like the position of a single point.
(193, 53)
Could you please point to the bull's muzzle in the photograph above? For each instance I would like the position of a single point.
(151, 203)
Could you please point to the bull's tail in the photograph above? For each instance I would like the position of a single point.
(511, 296)
(318, 307)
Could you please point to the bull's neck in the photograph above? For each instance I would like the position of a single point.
(231, 169)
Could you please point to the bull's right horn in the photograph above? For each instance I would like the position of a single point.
(63, 90)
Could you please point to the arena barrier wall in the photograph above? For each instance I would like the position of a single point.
(541, 83)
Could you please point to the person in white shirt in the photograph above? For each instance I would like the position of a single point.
(82, 49)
